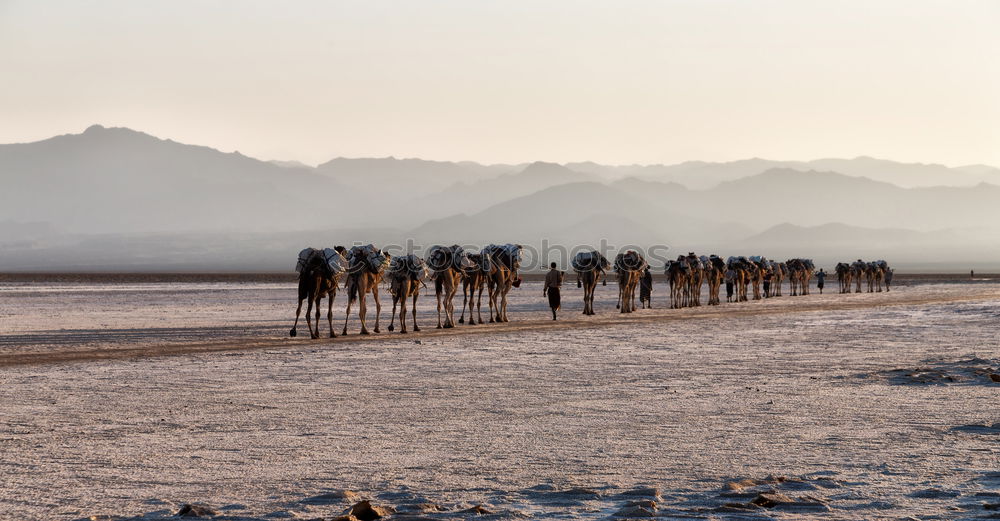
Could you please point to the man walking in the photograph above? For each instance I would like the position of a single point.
(646, 289)
(553, 280)
(820, 277)
(730, 279)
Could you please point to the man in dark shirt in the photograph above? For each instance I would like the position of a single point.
(553, 280)
(819, 280)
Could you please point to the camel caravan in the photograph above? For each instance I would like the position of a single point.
(874, 274)
(494, 270)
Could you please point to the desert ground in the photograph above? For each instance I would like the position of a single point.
(131, 399)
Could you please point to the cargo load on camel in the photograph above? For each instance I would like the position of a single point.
(369, 258)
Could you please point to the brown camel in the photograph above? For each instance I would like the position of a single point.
(629, 267)
(590, 268)
(843, 270)
(447, 264)
(319, 276)
(473, 283)
(366, 264)
(742, 268)
(677, 276)
(777, 278)
(758, 270)
(696, 275)
(406, 275)
(857, 274)
(506, 261)
(715, 272)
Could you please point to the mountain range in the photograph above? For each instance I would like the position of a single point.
(111, 197)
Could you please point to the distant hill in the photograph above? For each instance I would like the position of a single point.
(700, 174)
(812, 198)
(119, 180)
(118, 197)
(476, 196)
(584, 213)
(406, 179)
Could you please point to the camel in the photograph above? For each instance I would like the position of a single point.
(696, 275)
(447, 264)
(365, 266)
(406, 276)
(629, 267)
(590, 267)
(874, 274)
(758, 269)
(473, 283)
(857, 273)
(715, 271)
(319, 276)
(843, 270)
(506, 261)
(743, 270)
(800, 273)
(677, 276)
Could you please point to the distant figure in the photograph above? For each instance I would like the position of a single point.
(553, 280)
(730, 280)
(767, 283)
(820, 277)
(972, 274)
(646, 289)
(888, 279)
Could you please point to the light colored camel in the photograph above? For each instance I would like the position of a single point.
(499, 282)
(363, 277)
(629, 267)
(446, 269)
(679, 276)
(715, 273)
(696, 276)
(506, 261)
(405, 280)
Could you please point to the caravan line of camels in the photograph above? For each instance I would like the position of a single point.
(494, 270)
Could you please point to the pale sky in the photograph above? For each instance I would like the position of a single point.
(506, 81)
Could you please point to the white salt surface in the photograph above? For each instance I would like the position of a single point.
(881, 411)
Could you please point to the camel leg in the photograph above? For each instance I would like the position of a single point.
(392, 316)
(414, 311)
(503, 304)
(347, 315)
(478, 292)
(491, 300)
(437, 294)
(298, 310)
(319, 300)
(449, 309)
(309, 307)
(329, 312)
(363, 311)
(401, 295)
(378, 307)
(465, 297)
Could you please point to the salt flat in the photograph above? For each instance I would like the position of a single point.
(858, 406)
